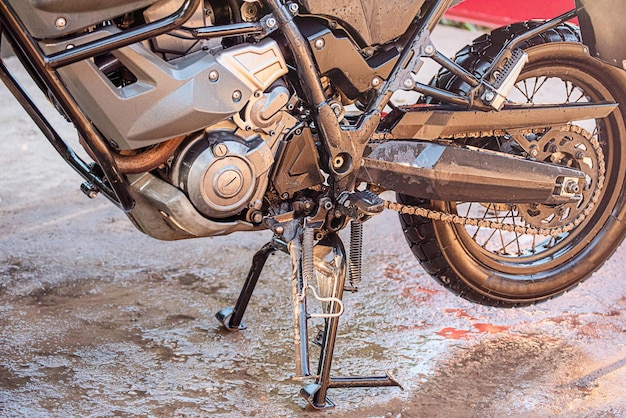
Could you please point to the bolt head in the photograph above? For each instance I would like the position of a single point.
(236, 95)
(220, 150)
(271, 22)
(408, 83)
(572, 187)
(376, 81)
(214, 75)
(257, 217)
(60, 23)
(336, 108)
(320, 43)
(429, 50)
(489, 96)
(293, 8)
(338, 161)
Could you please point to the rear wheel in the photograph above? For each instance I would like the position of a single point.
(494, 267)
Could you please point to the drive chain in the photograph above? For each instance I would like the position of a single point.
(517, 229)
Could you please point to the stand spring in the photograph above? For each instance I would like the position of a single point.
(356, 255)
(307, 254)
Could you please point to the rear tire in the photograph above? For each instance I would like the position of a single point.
(516, 275)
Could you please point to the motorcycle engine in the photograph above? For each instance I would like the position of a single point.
(172, 45)
(224, 170)
(223, 173)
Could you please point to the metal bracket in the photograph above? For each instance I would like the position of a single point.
(421, 47)
(504, 79)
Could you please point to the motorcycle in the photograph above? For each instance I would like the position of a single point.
(207, 117)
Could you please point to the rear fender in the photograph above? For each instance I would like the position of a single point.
(603, 29)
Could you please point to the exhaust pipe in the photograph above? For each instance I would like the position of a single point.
(444, 172)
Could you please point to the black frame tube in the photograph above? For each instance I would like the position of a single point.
(50, 133)
(42, 68)
(225, 31)
(125, 38)
(305, 63)
(455, 69)
(443, 95)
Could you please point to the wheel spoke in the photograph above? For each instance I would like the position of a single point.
(515, 244)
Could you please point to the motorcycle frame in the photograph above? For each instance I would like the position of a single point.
(339, 141)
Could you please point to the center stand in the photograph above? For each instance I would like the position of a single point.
(324, 261)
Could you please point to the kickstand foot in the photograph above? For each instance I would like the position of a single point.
(224, 317)
(309, 393)
(231, 317)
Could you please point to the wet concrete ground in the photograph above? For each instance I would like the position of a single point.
(100, 320)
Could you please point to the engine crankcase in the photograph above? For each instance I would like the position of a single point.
(223, 173)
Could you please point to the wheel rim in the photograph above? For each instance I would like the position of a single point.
(519, 254)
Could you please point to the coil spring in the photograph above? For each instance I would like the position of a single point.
(307, 254)
(356, 253)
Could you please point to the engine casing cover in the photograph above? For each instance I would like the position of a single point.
(223, 173)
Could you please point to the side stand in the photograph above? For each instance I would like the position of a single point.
(231, 317)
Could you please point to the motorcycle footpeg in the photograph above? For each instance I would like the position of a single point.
(308, 393)
(361, 204)
(505, 78)
(224, 317)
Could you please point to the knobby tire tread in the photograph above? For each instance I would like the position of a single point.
(419, 232)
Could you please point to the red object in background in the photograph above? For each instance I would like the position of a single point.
(495, 13)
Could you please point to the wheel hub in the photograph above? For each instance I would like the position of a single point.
(571, 147)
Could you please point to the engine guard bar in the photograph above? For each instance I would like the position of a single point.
(125, 38)
(54, 138)
(44, 67)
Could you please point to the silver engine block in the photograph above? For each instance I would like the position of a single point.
(230, 103)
